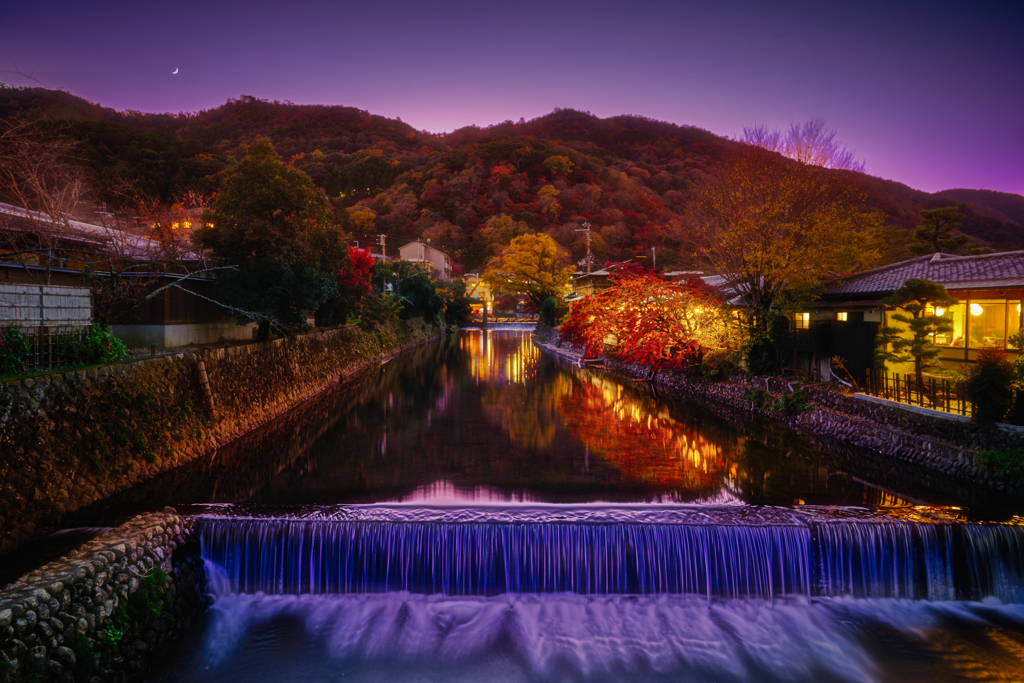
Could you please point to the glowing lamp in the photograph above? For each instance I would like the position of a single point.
(976, 309)
(940, 311)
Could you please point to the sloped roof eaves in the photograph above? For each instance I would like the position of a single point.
(989, 271)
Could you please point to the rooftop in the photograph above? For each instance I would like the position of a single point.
(984, 271)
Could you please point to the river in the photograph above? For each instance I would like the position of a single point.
(476, 509)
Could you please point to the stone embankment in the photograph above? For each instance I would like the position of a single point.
(97, 614)
(945, 446)
(68, 439)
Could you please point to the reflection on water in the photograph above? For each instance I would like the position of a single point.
(485, 417)
(517, 364)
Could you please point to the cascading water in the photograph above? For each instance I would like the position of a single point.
(701, 551)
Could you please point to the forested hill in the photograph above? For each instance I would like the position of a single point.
(633, 179)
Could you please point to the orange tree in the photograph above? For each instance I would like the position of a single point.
(653, 322)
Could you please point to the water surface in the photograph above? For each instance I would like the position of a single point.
(476, 509)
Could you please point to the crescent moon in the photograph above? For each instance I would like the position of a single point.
(175, 71)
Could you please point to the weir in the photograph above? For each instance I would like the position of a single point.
(738, 552)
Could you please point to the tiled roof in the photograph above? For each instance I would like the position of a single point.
(986, 271)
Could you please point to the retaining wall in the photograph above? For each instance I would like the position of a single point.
(68, 439)
(98, 613)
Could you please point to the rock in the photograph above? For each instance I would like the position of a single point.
(65, 656)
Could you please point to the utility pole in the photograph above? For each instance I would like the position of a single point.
(586, 229)
(381, 242)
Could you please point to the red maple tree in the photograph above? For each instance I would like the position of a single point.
(651, 321)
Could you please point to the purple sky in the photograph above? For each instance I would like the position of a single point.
(928, 93)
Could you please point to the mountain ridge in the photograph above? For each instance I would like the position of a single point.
(632, 177)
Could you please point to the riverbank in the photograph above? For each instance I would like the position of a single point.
(947, 448)
(69, 439)
(100, 612)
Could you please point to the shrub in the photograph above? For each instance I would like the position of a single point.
(761, 357)
(380, 310)
(988, 384)
(98, 346)
(14, 350)
(791, 404)
(758, 398)
(547, 311)
(1002, 463)
(718, 363)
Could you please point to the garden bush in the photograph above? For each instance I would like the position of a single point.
(1002, 463)
(14, 350)
(98, 346)
(988, 384)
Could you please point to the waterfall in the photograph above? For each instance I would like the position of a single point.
(717, 554)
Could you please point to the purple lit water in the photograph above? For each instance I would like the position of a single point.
(478, 511)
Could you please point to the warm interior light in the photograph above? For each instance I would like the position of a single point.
(1018, 308)
(940, 311)
(976, 309)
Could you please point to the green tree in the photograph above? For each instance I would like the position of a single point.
(533, 265)
(918, 301)
(934, 234)
(277, 230)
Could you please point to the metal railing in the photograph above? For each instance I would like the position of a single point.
(934, 392)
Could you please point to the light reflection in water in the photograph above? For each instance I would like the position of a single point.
(639, 437)
(517, 365)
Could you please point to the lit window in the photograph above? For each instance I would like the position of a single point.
(987, 323)
(955, 316)
(842, 316)
(801, 321)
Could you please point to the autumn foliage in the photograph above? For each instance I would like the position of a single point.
(651, 321)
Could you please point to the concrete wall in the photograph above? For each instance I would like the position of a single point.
(174, 335)
(73, 619)
(68, 439)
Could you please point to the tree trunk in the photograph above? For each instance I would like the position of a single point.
(263, 331)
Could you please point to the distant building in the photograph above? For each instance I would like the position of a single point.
(421, 252)
(477, 289)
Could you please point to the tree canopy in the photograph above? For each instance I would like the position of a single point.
(777, 230)
(654, 322)
(533, 265)
(276, 228)
(934, 234)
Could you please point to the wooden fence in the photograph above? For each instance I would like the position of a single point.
(52, 346)
(934, 393)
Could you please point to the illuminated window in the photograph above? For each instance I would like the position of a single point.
(987, 324)
(801, 321)
(955, 337)
(842, 316)
(1013, 318)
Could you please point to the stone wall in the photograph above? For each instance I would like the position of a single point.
(946, 447)
(68, 439)
(99, 612)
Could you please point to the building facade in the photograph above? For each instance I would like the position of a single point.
(988, 288)
(421, 252)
